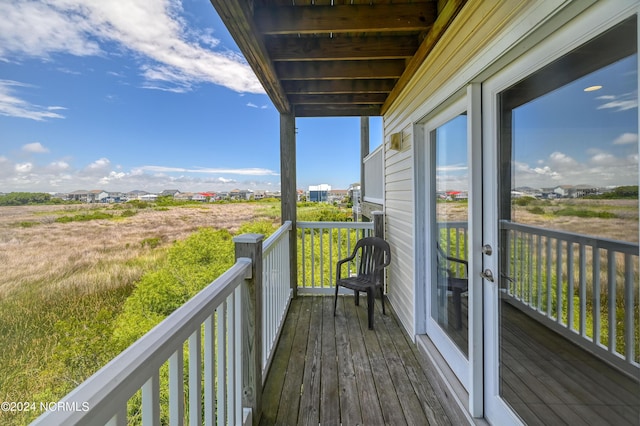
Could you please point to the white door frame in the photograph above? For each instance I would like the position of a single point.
(595, 20)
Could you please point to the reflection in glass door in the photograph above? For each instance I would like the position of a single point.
(568, 237)
(449, 289)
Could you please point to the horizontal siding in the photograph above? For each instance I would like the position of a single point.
(399, 203)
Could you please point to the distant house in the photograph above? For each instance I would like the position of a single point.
(79, 195)
(563, 190)
(98, 196)
(167, 192)
(241, 194)
(319, 193)
(136, 194)
(183, 196)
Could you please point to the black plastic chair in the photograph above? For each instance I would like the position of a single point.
(456, 285)
(374, 256)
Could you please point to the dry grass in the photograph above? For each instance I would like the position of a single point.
(624, 227)
(93, 255)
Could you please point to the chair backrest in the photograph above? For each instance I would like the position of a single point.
(375, 255)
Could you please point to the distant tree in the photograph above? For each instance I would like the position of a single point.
(629, 191)
(24, 198)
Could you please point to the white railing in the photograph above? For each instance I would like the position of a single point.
(592, 272)
(374, 176)
(276, 291)
(320, 246)
(110, 394)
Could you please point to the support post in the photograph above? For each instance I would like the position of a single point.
(250, 245)
(378, 223)
(364, 151)
(289, 191)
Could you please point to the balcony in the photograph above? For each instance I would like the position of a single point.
(245, 349)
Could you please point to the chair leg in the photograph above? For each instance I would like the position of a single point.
(335, 300)
(356, 297)
(382, 299)
(457, 303)
(370, 306)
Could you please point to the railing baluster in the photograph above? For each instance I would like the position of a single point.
(583, 290)
(231, 361)
(629, 316)
(596, 294)
(321, 258)
(176, 388)
(209, 371)
(151, 401)
(559, 281)
(237, 349)
(539, 280)
(570, 280)
(221, 355)
(313, 261)
(530, 269)
(195, 375)
(120, 418)
(549, 277)
(611, 289)
(304, 259)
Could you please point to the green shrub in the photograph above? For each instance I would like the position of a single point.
(536, 210)
(128, 213)
(84, 217)
(571, 211)
(27, 224)
(152, 242)
(524, 201)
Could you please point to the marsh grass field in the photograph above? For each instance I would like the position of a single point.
(67, 272)
(63, 282)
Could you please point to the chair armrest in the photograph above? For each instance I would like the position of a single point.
(461, 261)
(342, 262)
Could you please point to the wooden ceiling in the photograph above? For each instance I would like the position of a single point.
(327, 58)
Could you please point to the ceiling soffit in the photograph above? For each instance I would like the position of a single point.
(333, 58)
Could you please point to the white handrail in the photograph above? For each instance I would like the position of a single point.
(103, 397)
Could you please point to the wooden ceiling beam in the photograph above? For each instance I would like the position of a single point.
(336, 110)
(338, 99)
(341, 48)
(338, 86)
(345, 18)
(335, 70)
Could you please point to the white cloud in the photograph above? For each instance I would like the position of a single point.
(35, 147)
(241, 171)
(172, 56)
(619, 103)
(626, 138)
(23, 167)
(12, 106)
(252, 105)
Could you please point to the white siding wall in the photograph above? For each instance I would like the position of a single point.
(399, 227)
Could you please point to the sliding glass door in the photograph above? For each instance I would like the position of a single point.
(561, 217)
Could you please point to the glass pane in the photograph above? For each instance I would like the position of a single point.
(569, 321)
(449, 292)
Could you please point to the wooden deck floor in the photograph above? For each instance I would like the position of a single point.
(333, 370)
(549, 380)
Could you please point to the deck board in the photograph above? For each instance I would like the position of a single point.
(342, 373)
(333, 370)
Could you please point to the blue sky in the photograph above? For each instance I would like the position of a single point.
(583, 133)
(146, 95)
